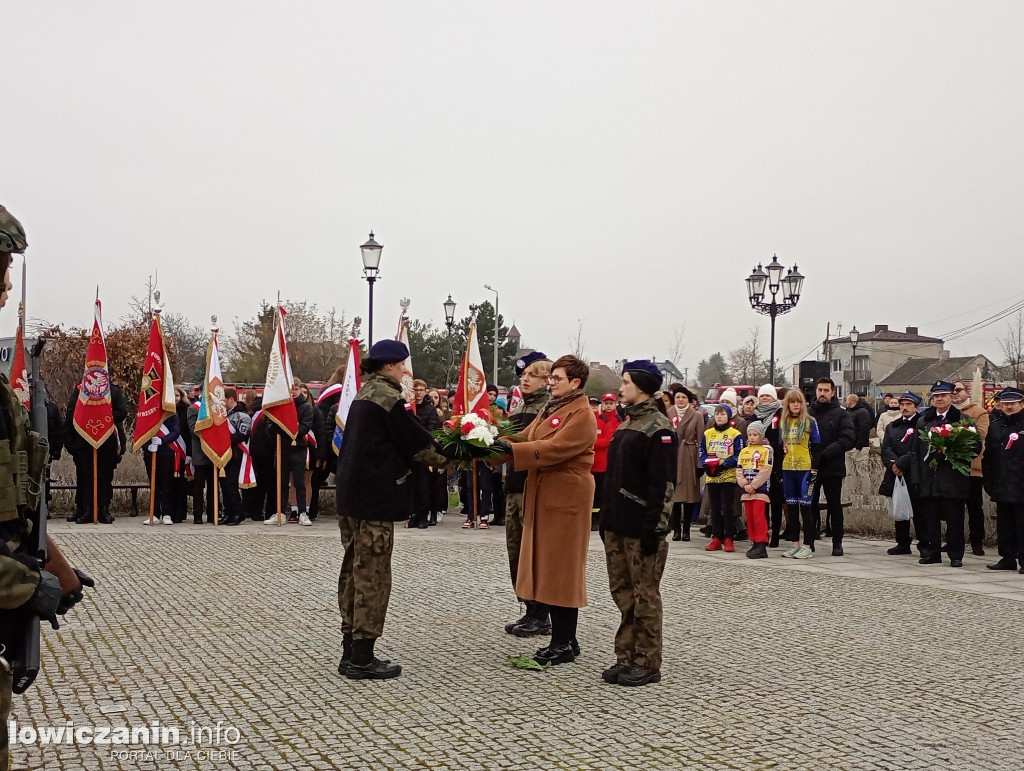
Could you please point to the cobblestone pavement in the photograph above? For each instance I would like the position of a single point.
(865, 661)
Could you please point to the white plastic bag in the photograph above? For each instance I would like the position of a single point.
(900, 508)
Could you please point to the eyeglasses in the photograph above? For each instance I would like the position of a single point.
(556, 378)
(959, 390)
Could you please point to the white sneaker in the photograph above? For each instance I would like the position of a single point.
(167, 520)
(154, 521)
(304, 520)
(803, 553)
(440, 517)
(791, 551)
(273, 520)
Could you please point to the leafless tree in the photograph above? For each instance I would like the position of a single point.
(1012, 346)
(578, 344)
(675, 353)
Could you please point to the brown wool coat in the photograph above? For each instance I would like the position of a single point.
(689, 429)
(557, 454)
(980, 416)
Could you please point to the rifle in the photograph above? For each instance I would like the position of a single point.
(40, 546)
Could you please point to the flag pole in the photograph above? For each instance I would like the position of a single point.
(152, 486)
(476, 496)
(279, 480)
(216, 500)
(95, 486)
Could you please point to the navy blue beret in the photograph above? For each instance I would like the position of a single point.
(388, 352)
(527, 360)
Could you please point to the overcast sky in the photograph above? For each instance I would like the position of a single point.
(625, 164)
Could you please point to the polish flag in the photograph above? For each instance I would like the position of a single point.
(407, 376)
(277, 394)
(471, 391)
(19, 376)
(212, 422)
(349, 388)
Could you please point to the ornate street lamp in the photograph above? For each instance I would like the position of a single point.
(371, 267)
(491, 288)
(772, 295)
(449, 322)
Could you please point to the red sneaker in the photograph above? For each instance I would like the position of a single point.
(483, 525)
(715, 545)
(467, 523)
(728, 545)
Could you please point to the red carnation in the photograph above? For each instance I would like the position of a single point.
(944, 432)
(466, 428)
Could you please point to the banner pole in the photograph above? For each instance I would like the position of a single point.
(476, 496)
(279, 480)
(152, 486)
(216, 498)
(95, 486)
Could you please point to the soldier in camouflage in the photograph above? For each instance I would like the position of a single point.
(532, 371)
(639, 484)
(25, 588)
(374, 490)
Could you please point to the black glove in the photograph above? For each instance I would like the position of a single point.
(649, 543)
(71, 599)
(813, 476)
(46, 600)
(700, 471)
(502, 446)
(712, 472)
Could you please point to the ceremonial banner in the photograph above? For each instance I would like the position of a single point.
(94, 418)
(212, 422)
(407, 376)
(349, 388)
(19, 376)
(471, 391)
(156, 396)
(277, 393)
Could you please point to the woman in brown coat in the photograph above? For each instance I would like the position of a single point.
(557, 451)
(689, 426)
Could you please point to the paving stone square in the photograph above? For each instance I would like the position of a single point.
(865, 661)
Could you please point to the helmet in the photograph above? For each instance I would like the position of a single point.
(12, 234)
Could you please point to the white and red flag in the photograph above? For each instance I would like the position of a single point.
(156, 395)
(19, 376)
(277, 393)
(349, 388)
(471, 391)
(407, 376)
(94, 417)
(212, 421)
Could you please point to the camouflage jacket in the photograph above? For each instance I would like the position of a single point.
(382, 440)
(521, 416)
(640, 479)
(18, 581)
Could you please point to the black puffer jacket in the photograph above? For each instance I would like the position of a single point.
(1002, 466)
(898, 448)
(863, 422)
(943, 481)
(835, 425)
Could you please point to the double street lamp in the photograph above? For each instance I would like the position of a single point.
(371, 267)
(772, 294)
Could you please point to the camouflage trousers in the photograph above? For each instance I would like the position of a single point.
(364, 584)
(6, 683)
(513, 531)
(635, 582)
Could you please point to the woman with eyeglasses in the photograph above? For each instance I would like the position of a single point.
(557, 450)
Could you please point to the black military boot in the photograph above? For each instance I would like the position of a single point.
(639, 676)
(346, 653)
(106, 518)
(534, 623)
(365, 666)
(522, 620)
(555, 654)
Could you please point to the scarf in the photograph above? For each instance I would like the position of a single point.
(765, 411)
(554, 405)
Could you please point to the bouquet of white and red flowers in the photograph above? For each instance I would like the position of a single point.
(470, 437)
(958, 443)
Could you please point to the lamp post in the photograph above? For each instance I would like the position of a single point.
(449, 321)
(371, 266)
(488, 286)
(783, 294)
(854, 337)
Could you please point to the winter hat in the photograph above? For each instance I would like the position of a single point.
(756, 425)
(729, 395)
(726, 407)
(644, 375)
(767, 389)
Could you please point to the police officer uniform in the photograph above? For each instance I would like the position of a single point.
(1003, 471)
(382, 440)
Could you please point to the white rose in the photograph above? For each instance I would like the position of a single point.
(972, 429)
(481, 433)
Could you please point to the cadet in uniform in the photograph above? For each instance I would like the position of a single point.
(1003, 471)
(26, 589)
(532, 370)
(639, 485)
(375, 490)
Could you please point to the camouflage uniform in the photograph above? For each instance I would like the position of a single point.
(634, 521)
(521, 416)
(18, 581)
(374, 490)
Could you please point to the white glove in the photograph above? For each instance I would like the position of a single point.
(153, 444)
